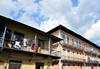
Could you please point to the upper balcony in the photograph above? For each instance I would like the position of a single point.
(72, 45)
(91, 51)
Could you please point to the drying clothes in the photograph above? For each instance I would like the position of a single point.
(1, 34)
(24, 41)
(17, 44)
(8, 44)
(13, 37)
(38, 49)
(28, 42)
(8, 35)
(21, 43)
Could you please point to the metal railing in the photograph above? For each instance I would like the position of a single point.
(72, 45)
(68, 58)
(91, 61)
(55, 52)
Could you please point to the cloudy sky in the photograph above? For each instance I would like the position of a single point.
(81, 16)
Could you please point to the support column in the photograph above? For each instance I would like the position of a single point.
(49, 46)
(35, 42)
(59, 33)
(60, 67)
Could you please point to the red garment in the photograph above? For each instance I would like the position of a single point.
(32, 48)
(92, 68)
(31, 43)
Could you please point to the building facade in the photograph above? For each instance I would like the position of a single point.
(76, 51)
(25, 47)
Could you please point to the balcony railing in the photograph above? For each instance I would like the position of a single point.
(72, 45)
(55, 52)
(91, 61)
(68, 58)
(28, 46)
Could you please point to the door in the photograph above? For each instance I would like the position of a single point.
(15, 64)
(86, 57)
(40, 65)
(86, 67)
(89, 67)
(66, 54)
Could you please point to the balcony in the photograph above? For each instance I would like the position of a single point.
(91, 61)
(55, 44)
(55, 52)
(91, 51)
(72, 59)
(28, 45)
(72, 45)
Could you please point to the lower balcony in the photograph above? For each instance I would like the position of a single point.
(91, 61)
(72, 59)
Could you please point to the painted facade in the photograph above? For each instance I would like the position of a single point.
(24, 47)
(75, 52)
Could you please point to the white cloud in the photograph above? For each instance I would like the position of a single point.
(22, 10)
(94, 32)
(79, 19)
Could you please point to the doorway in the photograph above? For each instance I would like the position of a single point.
(39, 65)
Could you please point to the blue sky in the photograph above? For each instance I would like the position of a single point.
(81, 16)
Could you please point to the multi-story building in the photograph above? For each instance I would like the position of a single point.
(76, 51)
(25, 47)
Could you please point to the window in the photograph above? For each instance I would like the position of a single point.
(15, 64)
(88, 48)
(64, 50)
(91, 49)
(68, 50)
(41, 43)
(79, 44)
(68, 64)
(68, 39)
(73, 51)
(63, 36)
(94, 50)
(85, 47)
(73, 64)
(78, 65)
(77, 52)
(72, 42)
